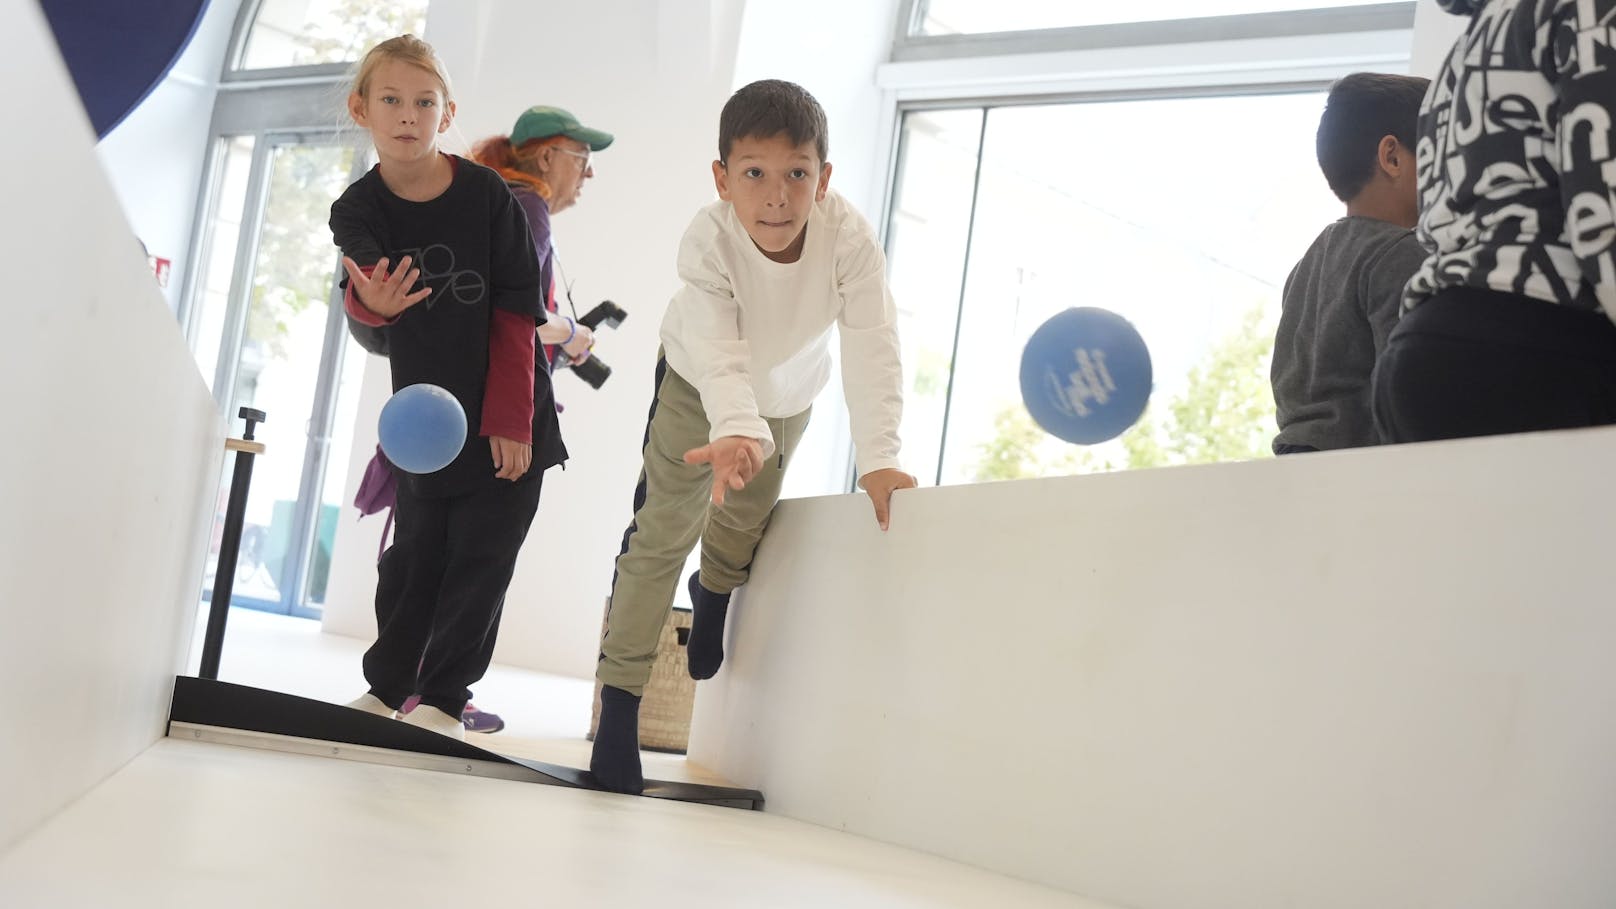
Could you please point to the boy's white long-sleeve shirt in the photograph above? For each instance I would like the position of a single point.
(753, 335)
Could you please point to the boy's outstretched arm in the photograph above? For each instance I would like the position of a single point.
(701, 337)
(881, 484)
(735, 461)
(872, 375)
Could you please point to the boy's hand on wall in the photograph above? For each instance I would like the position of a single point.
(735, 461)
(881, 484)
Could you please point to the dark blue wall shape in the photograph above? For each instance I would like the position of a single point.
(118, 50)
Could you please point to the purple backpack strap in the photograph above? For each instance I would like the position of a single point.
(378, 489)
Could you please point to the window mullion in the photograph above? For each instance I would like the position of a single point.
(959, 314)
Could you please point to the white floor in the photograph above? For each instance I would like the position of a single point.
(198, 824)
(190, 824)
(546, 716)
(293, 655)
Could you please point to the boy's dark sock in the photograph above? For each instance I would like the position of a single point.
(615, 761)
(705, 651)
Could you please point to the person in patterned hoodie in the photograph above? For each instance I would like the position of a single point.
(1508, 324)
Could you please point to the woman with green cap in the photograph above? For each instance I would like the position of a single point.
(545, 161)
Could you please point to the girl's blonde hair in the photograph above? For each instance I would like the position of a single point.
(405, 49)
(516, 162)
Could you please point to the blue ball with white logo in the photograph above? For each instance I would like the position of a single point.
(1085, 375)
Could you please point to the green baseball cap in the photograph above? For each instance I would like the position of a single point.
(542, 122)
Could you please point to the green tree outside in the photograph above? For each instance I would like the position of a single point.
(296, 261)
(353, 26)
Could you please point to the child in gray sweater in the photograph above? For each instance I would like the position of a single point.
(1342, 298)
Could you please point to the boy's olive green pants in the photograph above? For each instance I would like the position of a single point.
(673, 509)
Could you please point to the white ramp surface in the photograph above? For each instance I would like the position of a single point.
(197, 825)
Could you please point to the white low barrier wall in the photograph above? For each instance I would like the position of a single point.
(1376, 678)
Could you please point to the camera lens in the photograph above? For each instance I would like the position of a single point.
(592, 371)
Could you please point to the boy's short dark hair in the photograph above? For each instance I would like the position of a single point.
(1362, 109)
(769, 107)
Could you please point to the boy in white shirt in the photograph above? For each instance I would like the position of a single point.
(767, 271)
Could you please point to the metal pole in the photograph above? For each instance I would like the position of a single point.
(224, 578)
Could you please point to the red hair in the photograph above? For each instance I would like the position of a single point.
(515, 163)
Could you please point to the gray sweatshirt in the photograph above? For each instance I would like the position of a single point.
(1341, 301)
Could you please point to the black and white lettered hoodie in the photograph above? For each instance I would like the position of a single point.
(1517, 155)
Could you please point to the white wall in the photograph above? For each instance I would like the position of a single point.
(113, 450)
(655, 75)
(155, 157)
(834, 53)
(351, 585)
(1373, 678)
(1434, 34)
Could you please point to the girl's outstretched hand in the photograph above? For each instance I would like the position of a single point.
(383, 293)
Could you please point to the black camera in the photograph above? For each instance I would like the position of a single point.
(592, 370)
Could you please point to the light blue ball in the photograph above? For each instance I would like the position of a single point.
(422, 428)
(1085, 375)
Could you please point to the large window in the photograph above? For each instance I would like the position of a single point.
(1173, 182)
(1004, 216)
(970, 17)
(302, 33)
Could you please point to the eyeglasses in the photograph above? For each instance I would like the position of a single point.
(588, 156)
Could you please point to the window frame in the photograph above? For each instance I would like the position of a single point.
(909, 44)
(235, 74)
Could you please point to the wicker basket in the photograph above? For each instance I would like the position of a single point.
(669, 697)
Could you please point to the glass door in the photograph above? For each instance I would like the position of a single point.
(267, 323)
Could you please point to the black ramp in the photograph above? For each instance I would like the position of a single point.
(207, 702)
